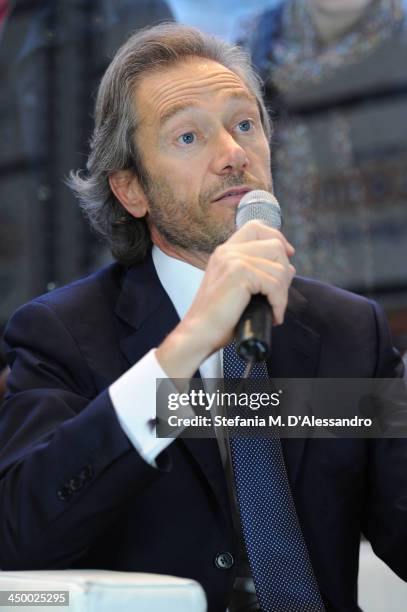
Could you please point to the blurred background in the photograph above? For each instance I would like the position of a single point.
(335, 79)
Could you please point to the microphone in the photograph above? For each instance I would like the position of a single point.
(253, 331)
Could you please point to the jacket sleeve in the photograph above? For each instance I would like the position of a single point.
(386, 503)
(66, 467)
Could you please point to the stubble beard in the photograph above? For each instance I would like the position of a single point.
(189, 225)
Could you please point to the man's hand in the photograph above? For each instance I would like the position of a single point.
(254, 260)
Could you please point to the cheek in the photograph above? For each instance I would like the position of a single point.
(186, 176)
(265, 146)
(260, 145)
(261, 156)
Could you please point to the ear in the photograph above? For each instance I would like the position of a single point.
(127, 189)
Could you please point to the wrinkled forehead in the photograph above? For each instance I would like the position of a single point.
(187, 83)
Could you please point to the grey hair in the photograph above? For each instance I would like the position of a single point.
(113, 145)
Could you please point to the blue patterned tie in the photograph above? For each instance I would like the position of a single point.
(278, 557)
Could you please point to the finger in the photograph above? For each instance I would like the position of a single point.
(273, 249)
(275, 289)
(280, 271)
(255, 230)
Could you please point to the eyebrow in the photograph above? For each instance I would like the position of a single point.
(179, 107)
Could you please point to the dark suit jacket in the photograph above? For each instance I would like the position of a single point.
(75, 494)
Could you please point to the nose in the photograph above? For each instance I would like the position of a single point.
(229, 156)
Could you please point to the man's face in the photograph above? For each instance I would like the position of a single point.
(202, 146)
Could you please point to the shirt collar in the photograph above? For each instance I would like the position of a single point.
(180, 279)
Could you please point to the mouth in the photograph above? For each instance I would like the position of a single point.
(233, 195)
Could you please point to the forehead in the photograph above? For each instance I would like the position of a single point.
(192, 82)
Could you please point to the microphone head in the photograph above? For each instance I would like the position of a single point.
(260, 205)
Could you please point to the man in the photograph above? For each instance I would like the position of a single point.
(181, 133)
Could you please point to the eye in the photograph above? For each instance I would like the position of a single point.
(187, 138)
(245, 126)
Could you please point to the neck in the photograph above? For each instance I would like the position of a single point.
(195, 258)
(335, 20)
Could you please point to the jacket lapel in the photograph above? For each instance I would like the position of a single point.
(145, 312)
(295, 354)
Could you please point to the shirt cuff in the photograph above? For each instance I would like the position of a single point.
(133, 397)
